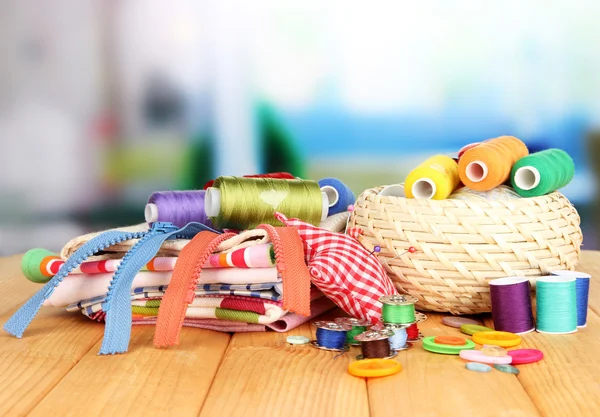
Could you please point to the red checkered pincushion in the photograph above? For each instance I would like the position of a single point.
(343, 269)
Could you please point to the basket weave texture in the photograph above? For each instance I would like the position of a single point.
(462, 244)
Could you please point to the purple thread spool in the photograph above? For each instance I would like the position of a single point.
(511, 305)
(177, 207)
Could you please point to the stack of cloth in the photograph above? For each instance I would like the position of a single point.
(239, 289)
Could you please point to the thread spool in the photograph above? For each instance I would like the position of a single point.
(436, 178)
(542, 172)
(398, 338)
(244, 203)
(375, 344)
(177, 207)
(413, 333)
(339, 195)
(398, 309)
(279, 175)
(330, 335)
(556, 305)
(394, 190)
(582, 290)
(511, 305)
(358, 326)
(489, 164)
(40, 265)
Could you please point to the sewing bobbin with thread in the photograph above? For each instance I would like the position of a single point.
(399, 337)
(339, 195)
(489, 164)
(358, 326)
(398, 309)
(243, 203)
(375, 344)
(582, 289)
(331, 336)
(542, 172)
(177, 207)
(436, 178)
(511, 305)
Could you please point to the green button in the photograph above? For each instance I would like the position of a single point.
(471, 329)
(297, 340)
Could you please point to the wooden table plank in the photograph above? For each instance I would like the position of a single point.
(53, 343)
(433, 384)
(145, 381)
(590, 263)
(567, 381)
(263, 376)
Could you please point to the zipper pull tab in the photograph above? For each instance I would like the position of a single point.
(163, 227)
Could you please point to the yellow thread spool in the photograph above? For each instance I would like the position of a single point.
(436, 179)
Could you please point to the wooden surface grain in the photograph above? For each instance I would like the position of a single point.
(55, 370)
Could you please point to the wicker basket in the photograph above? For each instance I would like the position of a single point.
(463, 243)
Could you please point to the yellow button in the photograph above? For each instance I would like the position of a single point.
(503, 339)
(372, 368)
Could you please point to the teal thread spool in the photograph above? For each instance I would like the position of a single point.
(556, 305)
(542, 172)
(358, 327)
(398, 309)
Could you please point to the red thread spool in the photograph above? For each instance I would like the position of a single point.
(412, 332)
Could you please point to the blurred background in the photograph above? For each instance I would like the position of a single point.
(103, 102)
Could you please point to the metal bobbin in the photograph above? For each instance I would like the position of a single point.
(375, 335)
(331, 326)
(398, 299)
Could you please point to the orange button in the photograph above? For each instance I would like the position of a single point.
(450, 340)
(372, 368)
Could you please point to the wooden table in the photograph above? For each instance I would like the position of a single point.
(55, 371)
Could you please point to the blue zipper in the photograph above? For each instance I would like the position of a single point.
(118, 302)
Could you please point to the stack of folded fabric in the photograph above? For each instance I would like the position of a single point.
(239, 289)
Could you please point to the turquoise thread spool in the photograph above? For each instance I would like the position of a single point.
(542, 172)
(556, 305)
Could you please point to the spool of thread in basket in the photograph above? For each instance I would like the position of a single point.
(556, 305)
(489, 164)
(511, 305)
(542, 172)
(339, 195)
(436, 179)
(177, 207)
(582, 289)
(244, 203)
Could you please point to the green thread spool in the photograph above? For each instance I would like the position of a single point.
(542, 173)
(244, 203)
(556, 305)
(358, 327)
(398, 309)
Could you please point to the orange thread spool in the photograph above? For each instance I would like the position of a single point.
(488, 165)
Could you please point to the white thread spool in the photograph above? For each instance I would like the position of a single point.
(477, 171)
(151, 213)
(395, 190)
(527, 177)
(423, 188)
(212, 203)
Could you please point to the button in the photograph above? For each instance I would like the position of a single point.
(509, 369)
(374, 368)
(450, 340)
(503, 339)
(491, 350)
(457, 321)
(297, 340)
(430, 345)
(477, 356)
(471, 329)
(478, 367)
(523, 356)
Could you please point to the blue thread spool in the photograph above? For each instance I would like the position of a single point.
(399, 337)
(339, 195)
(582, 290)
(331, 335)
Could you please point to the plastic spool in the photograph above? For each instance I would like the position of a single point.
(511, 305)
(424, 188)
(527, 177)
(477, 171)
(395, 190)
(582, 289)
(151, 213)
(212, 203)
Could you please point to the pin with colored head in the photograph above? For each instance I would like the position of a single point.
(37, 263)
